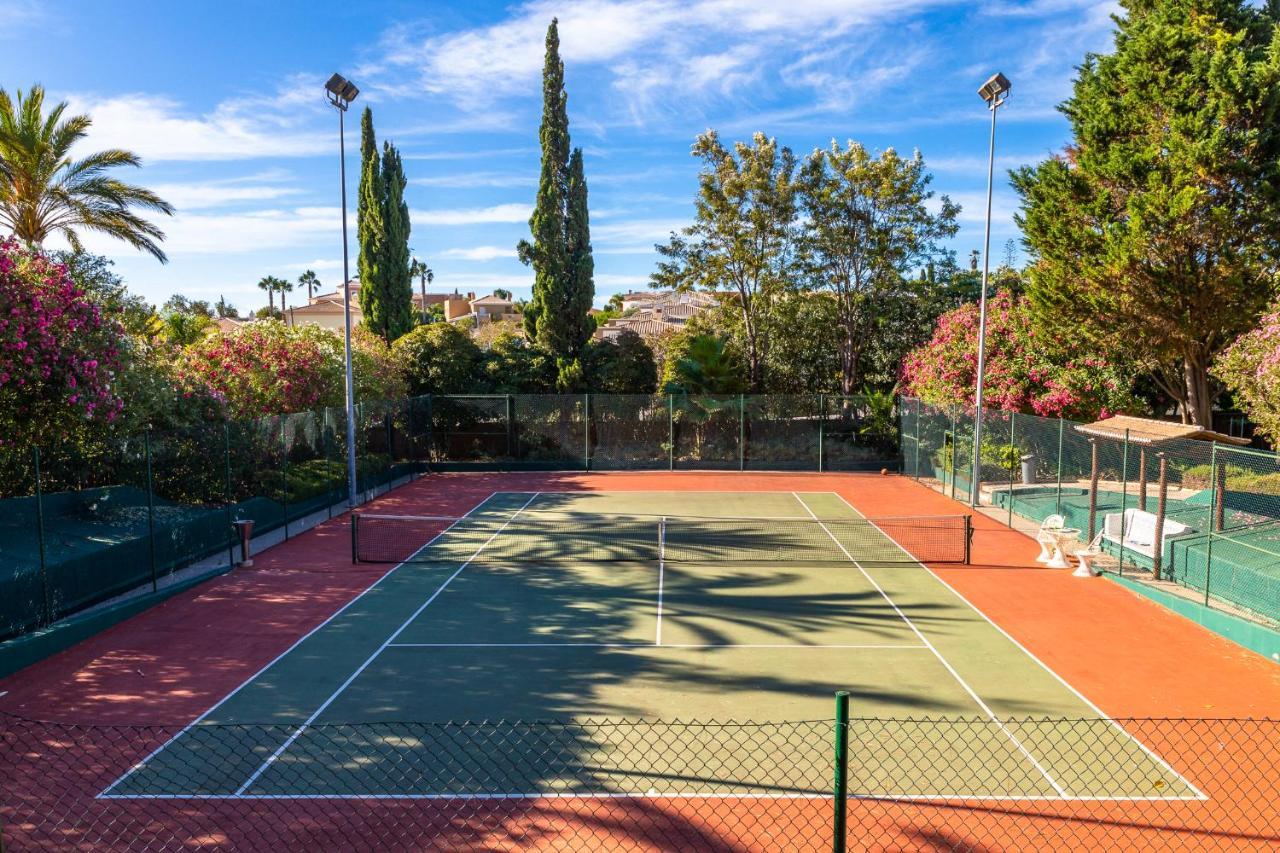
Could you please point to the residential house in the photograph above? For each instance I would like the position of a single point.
(654, 313)
(326, 310)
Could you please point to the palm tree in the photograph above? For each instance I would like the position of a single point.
(310, 281)
(419, 270)
(284, 286)
(44, 191)
(268, 283)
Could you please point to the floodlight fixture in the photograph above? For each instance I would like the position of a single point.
(341, 91)
(995, 90)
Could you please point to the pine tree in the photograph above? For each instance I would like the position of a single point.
(1154, 235)
(395, 283)
(370, 227)
(581, 291)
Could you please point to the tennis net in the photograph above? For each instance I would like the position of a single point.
(594, 538)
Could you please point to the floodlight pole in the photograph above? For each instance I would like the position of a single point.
(994, 102)
(341, 103)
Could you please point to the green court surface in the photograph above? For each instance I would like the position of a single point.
(588, 644)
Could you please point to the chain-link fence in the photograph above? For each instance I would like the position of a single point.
(1216, 506)
(80, 527)
(856, 784)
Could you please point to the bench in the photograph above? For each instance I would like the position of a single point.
(1138, 532)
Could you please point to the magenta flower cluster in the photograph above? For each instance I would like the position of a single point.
(56, 347)
(1024, 373)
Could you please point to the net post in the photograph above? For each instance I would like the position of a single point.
(968, 539)
(355, 537)
(44, 570)
(840, 791)
(151, 511)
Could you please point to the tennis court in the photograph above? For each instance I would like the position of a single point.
(579, 607)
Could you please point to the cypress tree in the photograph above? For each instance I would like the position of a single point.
(581, 290)
(370, 227)
(394, 303)
(556, 318)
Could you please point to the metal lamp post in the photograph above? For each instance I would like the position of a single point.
(995, 92)
(341, 92)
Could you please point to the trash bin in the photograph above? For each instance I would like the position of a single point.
(244, 527)
(1029, 469)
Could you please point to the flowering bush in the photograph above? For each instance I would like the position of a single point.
(58, 354)
(265, 368)
(1024, 371)
(1250, 368)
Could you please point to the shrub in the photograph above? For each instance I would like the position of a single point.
(1250, 368)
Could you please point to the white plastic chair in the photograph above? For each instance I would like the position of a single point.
(1045, 539)
(1091, 551)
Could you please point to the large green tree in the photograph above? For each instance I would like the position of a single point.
(869, 226)
(743, 237)
(557, 317)
(1155, 233)
(44, 190)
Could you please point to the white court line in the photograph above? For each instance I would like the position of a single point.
(278, 657)
(650, 645)
(609, 795)
(302, 728)
(986, 709)
(1199, 794)
(662, 571)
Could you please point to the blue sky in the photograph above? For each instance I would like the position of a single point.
(224, 101)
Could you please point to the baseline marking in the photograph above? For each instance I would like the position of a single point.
(609, 795)
(298, 732)
(138, 766)
(1200, 795)
(649, 646)
(986, 709)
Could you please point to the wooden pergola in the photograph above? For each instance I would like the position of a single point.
(1149, 434)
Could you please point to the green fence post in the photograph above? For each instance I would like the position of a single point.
(511, 426)
(671, 432)
(954, 427)
(1213, 514)
(324, 456)
(1062, 425)
(1015, 461)
(226, 447)
(430, 434)
(1124, 493)
(151, 510)
(44, 571)
(586, 432)
(822, 428)
(284, 473)
(919, 408)
(742, 432)
(840, 787)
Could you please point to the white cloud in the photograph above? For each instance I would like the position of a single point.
(635, 231)
(159, 128)
(198, 196)
(517, 212)
(317, 265)
(479, 253)
(618, 280)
